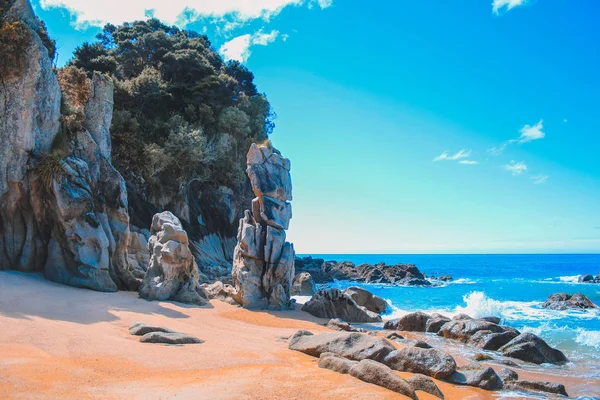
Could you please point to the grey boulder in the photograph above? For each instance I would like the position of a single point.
(366, 299)
(413, 322)
(534, 386)
(565, 301)
(333, 303)
(425, 384)
(431, 362)
(351, 345)
(488, 340)
(507, 374)
(338, 325)
(477, 376)
(531, 348)
(378, 374)
(463, 329)
(335, 363)
(140, 329)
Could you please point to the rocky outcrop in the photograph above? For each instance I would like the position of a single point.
(566, 301)
(63, 207)
(172, 274)
(529, 347)
(29, 123)
(366, 299)
(333, 303)
(303, 285)
(326, 271)
(464, 329)
(351, 345)
(589, 278)
(435, 323)
(263, 265)
(219, 291)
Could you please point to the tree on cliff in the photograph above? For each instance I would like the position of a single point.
(180, 111)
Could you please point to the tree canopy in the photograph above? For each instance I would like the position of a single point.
(180, 111)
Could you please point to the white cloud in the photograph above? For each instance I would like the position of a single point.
(529, 133)
(497, 5)
(468, 162)
(446, 157)
(238, 48)
(517, 168)
(98, 13)
(539, 179)
(285, 37)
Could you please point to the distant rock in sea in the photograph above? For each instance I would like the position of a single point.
(327, 271)
(564, 301)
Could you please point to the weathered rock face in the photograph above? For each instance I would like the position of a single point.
(333, 303)
(564, 301)
(537, 387)
(29, 122)
(263, 262)
(63, 207)
(173, 274)
(351, 345)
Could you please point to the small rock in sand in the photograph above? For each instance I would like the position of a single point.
(169, 338)
(507, 374)
(140, 329)
(532, 386)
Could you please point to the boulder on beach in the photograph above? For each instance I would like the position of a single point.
(565, 301)
(408, 342)
(412, 322)
(425, 384)
(488, 340)
(338, 325)
(435, 322)
(531, 348)
(366, 299)
(381, 375)
(336, 363)
(333, 303)
(303, 285)
(169, 338)
(539, 387)
(477, 376)
(507, 374)
(464, 329)
(431, 362)
(219, 291)
(352, 345)
(173, 273)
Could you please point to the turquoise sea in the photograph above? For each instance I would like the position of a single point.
(508, 286)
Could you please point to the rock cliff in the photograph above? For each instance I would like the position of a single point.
(63, 205)
(263, 266)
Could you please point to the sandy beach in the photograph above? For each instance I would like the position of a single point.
(63, 342)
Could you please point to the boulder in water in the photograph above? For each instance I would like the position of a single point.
(531, 348)
(333, 303)
(477, 376)
(565, 301)
(366, 299)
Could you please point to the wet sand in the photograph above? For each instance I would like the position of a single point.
(69, 343)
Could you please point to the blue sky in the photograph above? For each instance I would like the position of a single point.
(413, 126)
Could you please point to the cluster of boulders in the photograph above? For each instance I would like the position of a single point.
(374, 360)
(263, 262)
(157, 334)
(589, 278)
(327, 271)
(566, 301)
(482, 333)
(353, 305)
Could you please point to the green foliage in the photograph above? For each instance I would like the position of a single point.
(75, 87)
(49, 168)
(14, 39)
(181, 112)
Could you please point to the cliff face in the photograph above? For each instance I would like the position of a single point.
(66, 211)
